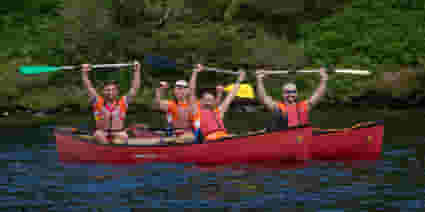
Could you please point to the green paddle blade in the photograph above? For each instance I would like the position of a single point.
(37, 69)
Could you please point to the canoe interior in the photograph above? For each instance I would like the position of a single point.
(85, 137)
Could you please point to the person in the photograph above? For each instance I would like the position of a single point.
(177, 109)
(290, 112)
(109, 109)
(207, 115)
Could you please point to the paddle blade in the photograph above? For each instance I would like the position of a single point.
(37, 69)
(160, 62)
(245, 91)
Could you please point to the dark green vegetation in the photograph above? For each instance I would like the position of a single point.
(222, 33)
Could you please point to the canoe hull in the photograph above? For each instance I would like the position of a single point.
(277, 146)
(349, 144)
(296, 144)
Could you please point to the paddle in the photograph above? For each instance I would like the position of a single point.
(79, 131)
(345, 71)
(245, 90)
(28, 70)
(163, 62)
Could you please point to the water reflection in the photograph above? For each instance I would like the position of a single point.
(36, 181)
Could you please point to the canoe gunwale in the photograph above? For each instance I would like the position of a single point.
(79, 137)
(315, 132)
(360, 125)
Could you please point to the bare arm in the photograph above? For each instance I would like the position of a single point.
(135, 84)
(261, 93)
(219, 96)
(321, 90)
(192, 89)
(158, 103)
(86, 81)
(229, 98)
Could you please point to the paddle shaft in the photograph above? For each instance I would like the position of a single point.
(156, 130)
(346, 71)
(211, 69)
(98, 66)
(164, 61)
(221, 71)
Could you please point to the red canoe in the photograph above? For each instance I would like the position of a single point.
(363, 141)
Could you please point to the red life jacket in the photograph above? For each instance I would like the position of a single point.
(116, 111)
(210, 123)
(298, 117)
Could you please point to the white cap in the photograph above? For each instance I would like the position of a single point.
(289, 86)
(181, 83)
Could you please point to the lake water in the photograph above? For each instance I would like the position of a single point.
(32, 178)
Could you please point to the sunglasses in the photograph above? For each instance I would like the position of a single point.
(291, 91)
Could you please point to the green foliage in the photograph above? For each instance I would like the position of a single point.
(35, 7)
(28, 31)
(368, 32)
(220, 33)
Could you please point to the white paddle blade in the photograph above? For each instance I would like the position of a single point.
(349, 71)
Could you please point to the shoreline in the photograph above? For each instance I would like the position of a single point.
(26, 119)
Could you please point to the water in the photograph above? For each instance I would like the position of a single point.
(32, 178)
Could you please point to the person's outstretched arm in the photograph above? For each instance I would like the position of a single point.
(261, 92)
(192, 88)
(219, 95)
(135, 84)
(85, 68)
(321, 90)
(229, 98)
(158, 103)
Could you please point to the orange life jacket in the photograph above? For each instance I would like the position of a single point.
(209, 124)
(178, 114)
(300, 117)
(116, 111)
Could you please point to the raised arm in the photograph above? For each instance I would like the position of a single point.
(192, 88)
(229, 98)
(135, 84)
(261, 92)
(321, 90)
(85, 68)
(219, 95)
(158, 103)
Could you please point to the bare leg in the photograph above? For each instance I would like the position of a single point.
(186, 137)
(100, 136)
(120, 138)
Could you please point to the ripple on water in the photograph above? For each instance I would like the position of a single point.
(35, 179)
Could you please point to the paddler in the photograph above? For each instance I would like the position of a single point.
(207, 115)
(110, 109)
(177, 109)
(290, 112)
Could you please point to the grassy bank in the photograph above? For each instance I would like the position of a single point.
(229, 34)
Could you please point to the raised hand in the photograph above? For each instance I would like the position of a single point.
(85, 67)
(242, 75)
(323, 74)
(163, 85)
(199, 68)
(136, 66)
(260, 74)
